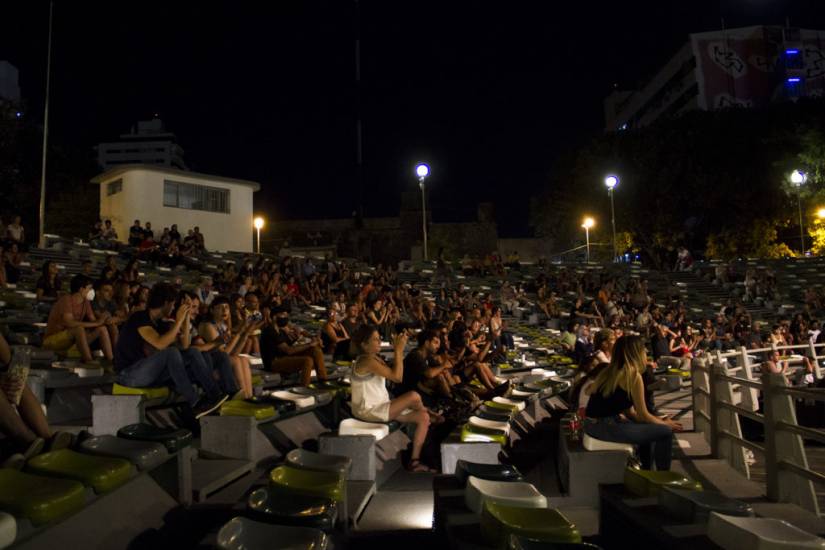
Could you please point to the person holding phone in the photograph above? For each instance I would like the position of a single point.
(617, 410)
(371, 401)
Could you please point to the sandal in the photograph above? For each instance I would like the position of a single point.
(417, 467)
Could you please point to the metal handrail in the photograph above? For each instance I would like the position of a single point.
(713, 378)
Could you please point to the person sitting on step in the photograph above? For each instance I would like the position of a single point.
(72, 322)
(146, 357)
(617, 410)
(22, 421)
(370, 399)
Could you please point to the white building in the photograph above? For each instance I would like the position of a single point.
(147, 143)
(221, 207)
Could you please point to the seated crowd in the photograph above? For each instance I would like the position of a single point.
(208, 336)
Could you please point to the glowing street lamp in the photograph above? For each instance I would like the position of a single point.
(820, 213)
(799, 178)
(258, 222)
(611, 182)
(587, 224)
(422, 171)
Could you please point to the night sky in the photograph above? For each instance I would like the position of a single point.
(489, 93)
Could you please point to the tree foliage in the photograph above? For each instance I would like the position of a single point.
(705, 178)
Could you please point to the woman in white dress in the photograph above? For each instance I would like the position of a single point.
(371, 401)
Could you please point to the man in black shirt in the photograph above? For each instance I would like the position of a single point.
(145, 355)
(421, 373)
(283, 351)
(135, 234)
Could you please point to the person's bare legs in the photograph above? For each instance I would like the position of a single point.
(256, 344)
(419, 416)
(32, 414)
(105, 344)
(243, 377)
(444, 385)
(12, 424)
(485, 375)
(317, 355)
(81, 340)
(113, 333)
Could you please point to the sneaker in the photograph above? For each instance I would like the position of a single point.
(501, 389)
(207, 406)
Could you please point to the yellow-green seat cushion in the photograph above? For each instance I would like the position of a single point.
(39, 499)
(161, 392)
(308, 482)
(239, 407)
(478, 434)
(99, 472)
(499, 521)
(502, 406)
(646, 483)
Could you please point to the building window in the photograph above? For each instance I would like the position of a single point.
(177, 194)
(114, 187)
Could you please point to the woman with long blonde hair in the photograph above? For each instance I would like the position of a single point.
(617, 410)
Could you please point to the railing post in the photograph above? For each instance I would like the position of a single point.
(784, 486)
(815, 359)
(750, 397)
(713, 407)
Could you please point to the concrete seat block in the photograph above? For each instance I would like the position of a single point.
(359, 448)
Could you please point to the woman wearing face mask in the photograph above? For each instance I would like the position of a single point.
(72, 323)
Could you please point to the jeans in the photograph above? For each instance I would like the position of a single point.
(655, 441)
(156, 370)
(200, 372)
(219, 360)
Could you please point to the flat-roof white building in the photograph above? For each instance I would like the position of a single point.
(221, 207)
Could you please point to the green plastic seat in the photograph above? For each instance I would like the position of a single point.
(477, 434)
(39, 499)
(161, 392)
(174, 439)
(308, 482)
(145, 455)
(517, 542)
(492, 472)
(514, 409)
(308, 460)
(499, 521)
(239, 407)
(679, 372)
(647, 483)
(101, 473)
(246, 534)
(274, 506)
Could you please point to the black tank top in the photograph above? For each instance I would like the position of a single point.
(600, 406)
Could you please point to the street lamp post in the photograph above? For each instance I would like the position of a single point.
(798, 178)
(422, 171)
(258, 223)
(588, 223)
(611, 182)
